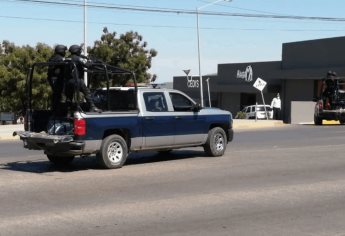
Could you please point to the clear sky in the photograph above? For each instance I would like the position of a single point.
(224, 39)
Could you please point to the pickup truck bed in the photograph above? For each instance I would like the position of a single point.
(334, 111)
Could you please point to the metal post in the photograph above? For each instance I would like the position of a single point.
(263, 100)
(209, 94)
(199, 51)
(85, 39)
(199, 60)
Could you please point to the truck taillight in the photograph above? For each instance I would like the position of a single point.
(79, 127)
(328, 106)
(320, 105)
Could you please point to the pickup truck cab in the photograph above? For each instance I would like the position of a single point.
(132, 119)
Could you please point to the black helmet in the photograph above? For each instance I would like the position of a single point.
(60, 49)
(75, 49)
(330, 74)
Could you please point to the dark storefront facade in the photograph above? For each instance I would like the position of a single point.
(297, 78)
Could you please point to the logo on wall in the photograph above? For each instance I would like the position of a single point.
(247, 75)
(192, 83)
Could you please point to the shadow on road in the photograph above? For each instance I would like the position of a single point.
(90, 163)
(152, 157)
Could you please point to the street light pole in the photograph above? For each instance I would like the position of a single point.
(199, 59)
(85, 39)
(199, 51)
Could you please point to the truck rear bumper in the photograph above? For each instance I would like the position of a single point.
(332, 114)
(51, 144)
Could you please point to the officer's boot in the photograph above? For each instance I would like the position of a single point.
(89, 100)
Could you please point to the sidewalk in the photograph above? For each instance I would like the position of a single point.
(6, 131)
(241, 124)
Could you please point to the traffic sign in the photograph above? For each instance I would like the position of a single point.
(260, 84)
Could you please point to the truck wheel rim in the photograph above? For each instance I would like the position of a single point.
(115, 152)
(219, 141)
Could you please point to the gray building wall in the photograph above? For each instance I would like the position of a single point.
(230, 102)
(227, 73)
(324, 53)
(294, 77)
(302, 112)
(295, 90)
(192, 87)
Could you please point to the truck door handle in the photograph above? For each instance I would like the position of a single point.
(178, 117)
(149, 118)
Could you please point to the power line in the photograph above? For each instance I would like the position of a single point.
(184, 11)
(169, 26)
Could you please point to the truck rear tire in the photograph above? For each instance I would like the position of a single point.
(216, 142)
(317, 120)
(60, 160)
(113, 153)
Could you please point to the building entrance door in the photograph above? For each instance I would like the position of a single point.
(247, 99)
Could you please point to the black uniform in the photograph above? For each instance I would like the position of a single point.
(72, 83)
(56, 75)
(330, 87)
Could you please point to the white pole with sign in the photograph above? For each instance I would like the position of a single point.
(260, 84)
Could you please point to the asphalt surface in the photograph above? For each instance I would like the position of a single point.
(283, 181)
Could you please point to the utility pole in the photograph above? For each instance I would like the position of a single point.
(85, 38)
(199, 49)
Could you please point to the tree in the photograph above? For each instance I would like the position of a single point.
(15, 62)
(127, 51)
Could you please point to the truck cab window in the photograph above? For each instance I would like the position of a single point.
(181, 102)
(155, 102)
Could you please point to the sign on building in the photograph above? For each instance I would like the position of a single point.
(246, 75)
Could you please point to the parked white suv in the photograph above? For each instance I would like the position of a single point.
(249, 112)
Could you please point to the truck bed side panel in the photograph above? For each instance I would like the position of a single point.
(98, 126)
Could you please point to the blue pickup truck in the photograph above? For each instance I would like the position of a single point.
(130, 119)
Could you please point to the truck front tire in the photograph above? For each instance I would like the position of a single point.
(113, 153)
(216, 142)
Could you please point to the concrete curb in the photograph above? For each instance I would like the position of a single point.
(324, 122)
(6, 131)
(252, 124)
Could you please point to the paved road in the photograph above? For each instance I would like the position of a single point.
(286, 181)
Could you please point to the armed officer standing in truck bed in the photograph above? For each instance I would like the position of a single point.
(56, 75)
(81, 64)
(330, 85)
